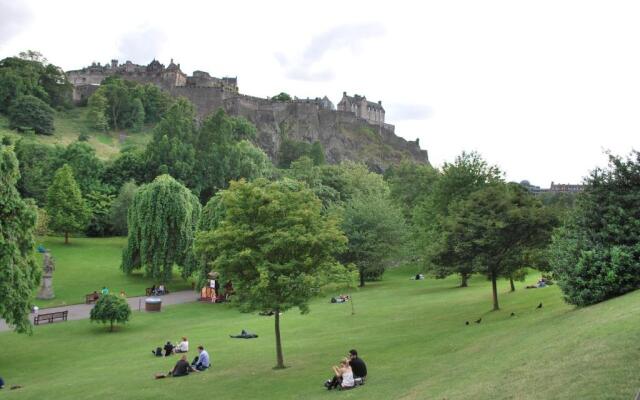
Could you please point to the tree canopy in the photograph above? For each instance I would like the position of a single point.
(110, 309)
(596, 254)
(162, 220)
(66, 208)
(274, 243)
(29, 112)
(19, 275)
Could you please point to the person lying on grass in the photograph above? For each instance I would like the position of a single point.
(343, 376)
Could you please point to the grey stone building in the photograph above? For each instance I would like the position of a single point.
(362, 108)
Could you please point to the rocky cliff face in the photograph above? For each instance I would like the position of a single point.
(342, 135)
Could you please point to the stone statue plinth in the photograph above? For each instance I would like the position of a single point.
(46, 288)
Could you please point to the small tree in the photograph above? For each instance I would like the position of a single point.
(97, 109)
(274, 244)
(162, 221)
(19, 275)
(111, 309)
(29, 112)
(67, 210)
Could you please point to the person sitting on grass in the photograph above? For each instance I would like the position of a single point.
(181, 368)
(183, 346)
(343, 376)
(168, 349)
(160, 290)
(201, 362)
(357, 365)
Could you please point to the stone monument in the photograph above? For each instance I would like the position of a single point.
(46, 289)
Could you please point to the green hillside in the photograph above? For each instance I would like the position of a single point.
(412, 334)
(70, 124)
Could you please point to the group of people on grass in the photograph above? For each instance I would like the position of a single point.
(182, 367)
(351, 371)
(158, 290)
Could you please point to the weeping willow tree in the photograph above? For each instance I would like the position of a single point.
(162, 220)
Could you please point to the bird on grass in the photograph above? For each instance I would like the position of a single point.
(539, 305)
(466, 322)
(479, 320)
(513, 314)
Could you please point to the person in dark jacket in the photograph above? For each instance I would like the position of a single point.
(168, 349)
(181, 368)
(357, 365)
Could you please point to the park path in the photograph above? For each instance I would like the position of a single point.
(81, 311)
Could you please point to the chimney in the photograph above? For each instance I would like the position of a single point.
(344, 94)
(379, 102)
(114, 63)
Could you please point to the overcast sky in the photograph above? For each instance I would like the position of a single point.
(540, 88)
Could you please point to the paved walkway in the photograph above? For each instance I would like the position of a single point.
(81, 311)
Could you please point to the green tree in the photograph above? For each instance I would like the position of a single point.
(65, 205)
(29, 112)
(156, 101)
(120, 207)
(596, 254)
(172, 148)
(162, 221)
(87, 167)
(282, 96)
(99, 204)
(137, 118)
(38, 163)
(493, 230)
(110, 309)
(317, 153)
(274, 244)
(457, 181)
(128, 166)
(19, 275)
(291, 150)
(410, 184)
(97, 109)
(376, 231)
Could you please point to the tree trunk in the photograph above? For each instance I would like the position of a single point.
(465, 278)
(111, 329)
(494, 286)
(361, 278)
(66, 238)
(279, 356)
(513, 287)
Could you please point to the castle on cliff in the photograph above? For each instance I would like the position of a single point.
(354, 130)
(86, 80)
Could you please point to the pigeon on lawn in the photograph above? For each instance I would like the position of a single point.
(479, 320)
(513, 314)
(466, 322)
(539, 305)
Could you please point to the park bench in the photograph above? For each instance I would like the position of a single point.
(90, 298)
(50, 317)
(147, 291)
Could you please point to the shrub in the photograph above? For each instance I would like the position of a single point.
(29, 112)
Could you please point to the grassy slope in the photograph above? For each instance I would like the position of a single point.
(411, 334)
(70, 124)
(86, 264)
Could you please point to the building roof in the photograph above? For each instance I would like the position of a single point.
(357, 99)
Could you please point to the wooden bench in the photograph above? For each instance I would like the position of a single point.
(91, 298)
(50, 317)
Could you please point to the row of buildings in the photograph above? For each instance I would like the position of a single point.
(554, 188)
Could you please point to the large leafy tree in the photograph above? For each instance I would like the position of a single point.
(29, 112)
(66, 208)
(87, 167)
(129, 165)
(32, 76)
(38, 163)
(596, 254)
(19, 275)
(162, 221)
(410, 184)
(494, 230)
(110, 309)
(97, 111)
(456, 182)
(376, 231)
(275, 244)
(172, 149)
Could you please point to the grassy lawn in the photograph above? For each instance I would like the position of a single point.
(71, 123)
(86, 264)
(411, 334)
